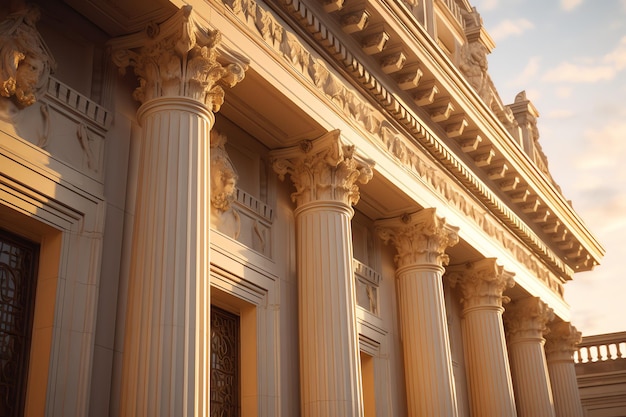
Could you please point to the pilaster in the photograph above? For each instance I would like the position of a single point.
(560, 347)
(325, 172)
(421, 240)
(525, 323)
(166, 362)
(489, 376)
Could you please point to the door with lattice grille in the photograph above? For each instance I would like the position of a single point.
(18, 268)
(225, 363)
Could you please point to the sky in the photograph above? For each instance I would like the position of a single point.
(570, 58)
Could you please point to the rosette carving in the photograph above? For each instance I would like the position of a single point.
(179, 57)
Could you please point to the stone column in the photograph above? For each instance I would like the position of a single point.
(166, 359)
(560, 347)
(325, 172)
(525, 323)
(421, 240)
(488, 373)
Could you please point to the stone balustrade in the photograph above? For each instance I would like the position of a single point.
(601, 348)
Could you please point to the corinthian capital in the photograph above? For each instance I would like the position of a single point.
(563, 339)
(482, 283)
(323, 169)
(420, 238)
(179, 57)
(527, 318)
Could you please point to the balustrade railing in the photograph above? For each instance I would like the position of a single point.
(455, 10)
(601, 348)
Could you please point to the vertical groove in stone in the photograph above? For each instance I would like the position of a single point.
(166, 351)
(330, 371)
(428, 363)
(529, 372)
(488, 369)
(564, 386)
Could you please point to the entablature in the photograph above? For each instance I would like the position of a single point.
(390, 131)
(415, 82)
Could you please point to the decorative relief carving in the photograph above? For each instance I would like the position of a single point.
(82, 134)
(224, 217)
(256, 222)
(420, 238)
(563, 339)
(527, 318)
(178, 58)
(474, 66)
(25, 61)
(482, 283)
(367, 283)
(234, 212)
(316, 71)
(323, 169)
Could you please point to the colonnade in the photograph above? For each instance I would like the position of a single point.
(507, 372)
(166, 356)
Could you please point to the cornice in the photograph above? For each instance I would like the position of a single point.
(296, 56)
(462, 117)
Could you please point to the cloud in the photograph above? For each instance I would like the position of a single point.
(569, 5)
(533, 94)
(617, 58)
(487, 5)
(567, 72)
(608, 140)
(509, 27)
(529, 71)
(564, 92)
(586, 72)
(560, 114)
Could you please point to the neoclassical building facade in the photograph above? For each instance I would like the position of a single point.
(316, 208)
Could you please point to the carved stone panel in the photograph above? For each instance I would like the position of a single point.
(367, 282)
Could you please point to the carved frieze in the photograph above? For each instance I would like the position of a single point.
(323, 169)
(179, 58)
(315, 70)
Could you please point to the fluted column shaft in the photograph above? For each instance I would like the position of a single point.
(167, 327)
(330, 368)
(166, 358)
(421, 240)
(324, 172)
(560, 347)
(486, 358)
(525, 322)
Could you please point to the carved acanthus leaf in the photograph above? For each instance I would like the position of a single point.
(482, 283)
(420, 239)
(563, 339)
(323, 169)
(352, 105)
(181, 58)
(527, 318)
